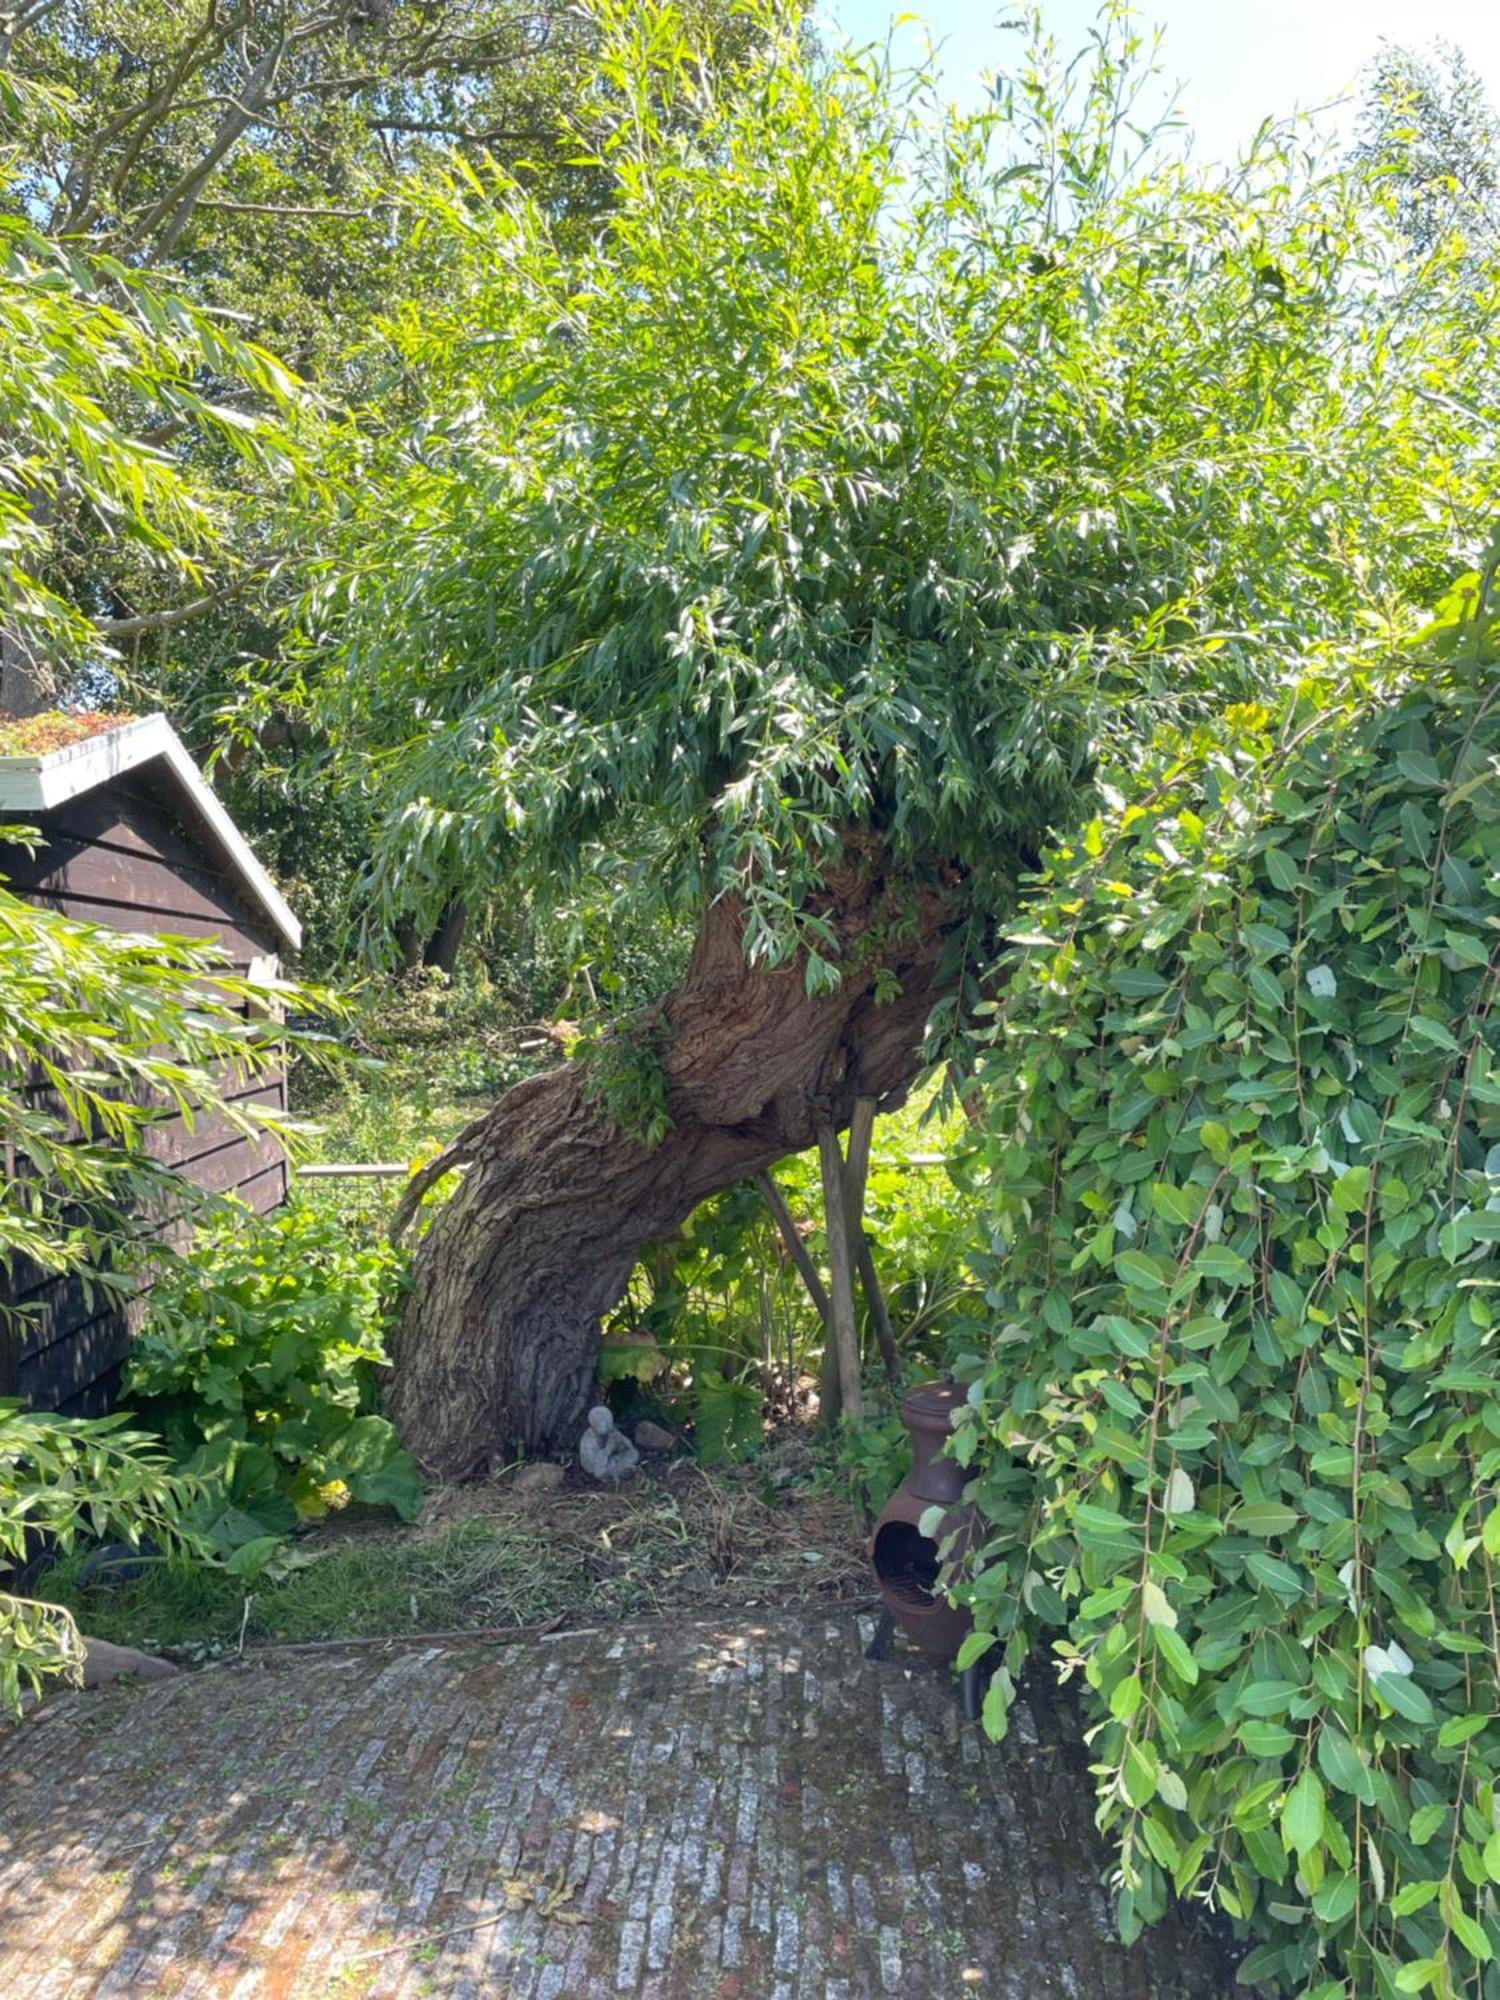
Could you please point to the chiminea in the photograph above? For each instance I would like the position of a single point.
(906, 1561)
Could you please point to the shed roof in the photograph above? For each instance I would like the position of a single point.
(41, 782)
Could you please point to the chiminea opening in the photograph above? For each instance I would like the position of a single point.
(906, 1562)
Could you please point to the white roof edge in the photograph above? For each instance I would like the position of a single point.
(38, 783)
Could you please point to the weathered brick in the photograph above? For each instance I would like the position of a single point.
(756, 1813)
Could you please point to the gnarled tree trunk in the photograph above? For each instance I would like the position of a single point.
(498, 1341)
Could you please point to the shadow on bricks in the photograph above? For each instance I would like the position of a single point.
(677, 1811)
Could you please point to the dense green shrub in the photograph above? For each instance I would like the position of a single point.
(257, 1362)
(1237, 1433)
(62, 1477)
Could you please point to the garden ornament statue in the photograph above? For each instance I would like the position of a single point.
(605, 1453)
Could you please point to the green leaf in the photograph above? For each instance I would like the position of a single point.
(1419, 1975)
(1096, 1524)
(1216, 1400)
(1342, 1765)
(1404, 1696)
(1174, 1649)
(1413, 1896)
(1218, 1261)
(1471, 1936)
(1266, 1739)
(974, 1646)
(1274, 1574)
(1268, 1697)
(1138, 1774)
(995, 1715)
(1418, 768)
(1460, 1729)
(1302, 1815)
(1154, 1604)
(1173, 1204)
(1334, 1901)
(1126, 1697)
(1281, 868)
(1136, 1268)
(1214, 1139)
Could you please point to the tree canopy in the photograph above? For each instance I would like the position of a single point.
(871, 466)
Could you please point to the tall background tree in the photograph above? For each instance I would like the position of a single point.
(779, 562)
(1429, 135)
(259, 161)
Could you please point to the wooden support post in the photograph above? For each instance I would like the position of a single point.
(796, 1249)
(856, 1179)
(840, 1272)
(880, 1317)
(857, 1162)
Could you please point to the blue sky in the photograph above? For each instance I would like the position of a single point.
(1237, 60)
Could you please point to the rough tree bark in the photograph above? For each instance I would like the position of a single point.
(498, 1342)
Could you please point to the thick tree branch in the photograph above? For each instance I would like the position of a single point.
(78, 189)
(181, 614)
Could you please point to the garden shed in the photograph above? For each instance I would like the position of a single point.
(135, 839)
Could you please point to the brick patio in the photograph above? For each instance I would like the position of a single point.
(679, 1812)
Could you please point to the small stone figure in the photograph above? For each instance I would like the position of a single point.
(605, 1453)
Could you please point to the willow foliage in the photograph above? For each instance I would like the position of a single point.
(103, 1035)
(62, 1478)
(1237, 1438)
(873, 465)
(103, 373)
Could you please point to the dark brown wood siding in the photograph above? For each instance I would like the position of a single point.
(131, 856)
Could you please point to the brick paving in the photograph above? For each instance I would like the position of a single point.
(745, 1811)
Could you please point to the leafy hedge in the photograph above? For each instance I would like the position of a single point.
(1237, 1436)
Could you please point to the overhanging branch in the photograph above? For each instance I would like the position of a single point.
(181, 614)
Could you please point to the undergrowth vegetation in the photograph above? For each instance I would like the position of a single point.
(717, 1328)
(678, 1541)
(104, 1034)
(1236, 1433)
(256, 1363)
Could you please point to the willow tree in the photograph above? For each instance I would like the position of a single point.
(778, 564)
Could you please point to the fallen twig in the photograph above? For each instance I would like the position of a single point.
(493, 1635)
(517, 1895)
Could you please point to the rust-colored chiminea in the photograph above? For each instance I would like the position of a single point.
(906, 1561)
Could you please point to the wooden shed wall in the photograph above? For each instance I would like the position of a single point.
(125, 856)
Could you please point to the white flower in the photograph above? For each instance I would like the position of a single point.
(1321, 982)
